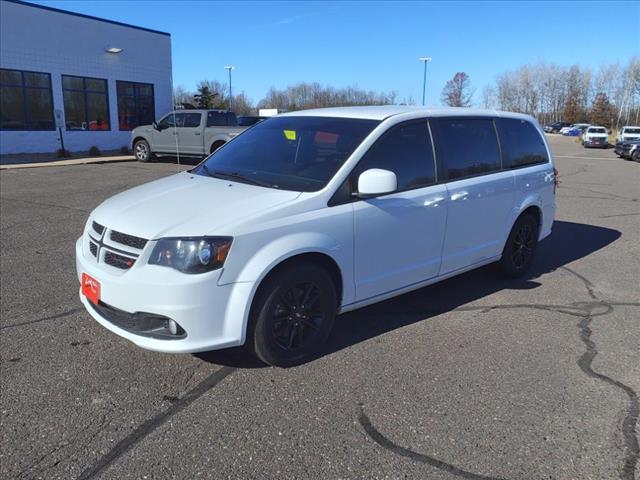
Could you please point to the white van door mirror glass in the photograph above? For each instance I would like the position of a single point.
(376, 181)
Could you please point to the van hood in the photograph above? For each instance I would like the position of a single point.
(186, 205)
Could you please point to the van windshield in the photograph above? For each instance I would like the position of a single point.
(289, 153)
(632, 130)
(597, 130)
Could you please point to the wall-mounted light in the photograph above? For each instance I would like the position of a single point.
(113, 50)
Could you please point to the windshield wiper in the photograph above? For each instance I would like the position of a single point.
(237, 176)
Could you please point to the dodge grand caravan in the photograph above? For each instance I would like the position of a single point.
(311, 214)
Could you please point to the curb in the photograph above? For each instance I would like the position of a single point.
(74, 161)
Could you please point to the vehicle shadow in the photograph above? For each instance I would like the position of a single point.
(178, 161)
(568, 242)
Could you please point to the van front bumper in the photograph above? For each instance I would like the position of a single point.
(135, 304)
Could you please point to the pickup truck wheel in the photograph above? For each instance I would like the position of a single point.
(216, 146)
(635, 156)
(293, 314)
(142, 151)
(520, 248)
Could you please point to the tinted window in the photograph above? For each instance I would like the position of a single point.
(232, 119)
(466, 146)
(136, 105)
(290, 153)
(404, 150)
(216, 119)
(521, 143)
(25, 101)
(86, 106)
(192, 119)
(167, 121)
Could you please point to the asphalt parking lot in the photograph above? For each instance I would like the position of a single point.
(473, 378)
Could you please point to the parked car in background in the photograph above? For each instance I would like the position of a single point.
(248, 120)
(595, 137)
(191, 133)
(628, 133)
(564, 130)
(628, 150)
(555, 127)
(575, 131)
(311, 214)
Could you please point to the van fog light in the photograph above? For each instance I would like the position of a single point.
(173, 327)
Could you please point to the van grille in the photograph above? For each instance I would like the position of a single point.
(97, 228)
(128, 240)
(118, 261)
(116, 249)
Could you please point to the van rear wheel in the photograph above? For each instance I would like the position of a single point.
(293, 314)
(520, 248)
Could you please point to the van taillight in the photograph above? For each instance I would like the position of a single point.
(555, 180)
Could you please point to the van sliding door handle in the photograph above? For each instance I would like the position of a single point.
(459, 196)
(433, 202)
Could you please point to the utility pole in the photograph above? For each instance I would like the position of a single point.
(424, 79)
(229, 68)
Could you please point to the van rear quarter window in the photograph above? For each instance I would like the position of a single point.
(521, 143)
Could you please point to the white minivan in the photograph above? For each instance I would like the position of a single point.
(310, 214)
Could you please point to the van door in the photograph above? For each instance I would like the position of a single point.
(398, 237)
(480, 193)
(190, 137)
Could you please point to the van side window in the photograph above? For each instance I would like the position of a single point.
(466, 146)
(216, 119)
(404, 150)
(521, 143)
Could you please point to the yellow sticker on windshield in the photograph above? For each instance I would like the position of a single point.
(290, 134)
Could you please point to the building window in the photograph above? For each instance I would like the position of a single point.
(25, 101)
(86, 103)
(136, 105)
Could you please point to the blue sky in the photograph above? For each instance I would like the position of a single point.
(374, 45)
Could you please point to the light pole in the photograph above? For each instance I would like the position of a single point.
(229, 68)
(424, 79)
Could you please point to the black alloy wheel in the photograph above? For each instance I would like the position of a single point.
(296, 318)
(292, 314)
(520, 248)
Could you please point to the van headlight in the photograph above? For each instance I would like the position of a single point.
(192, 254)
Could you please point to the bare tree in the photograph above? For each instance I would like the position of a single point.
(488, 97)
(242, 105)
(182, 97)
(457, 92)
(314, 95)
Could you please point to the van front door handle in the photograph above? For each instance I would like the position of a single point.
(459, 196)
(433, 202)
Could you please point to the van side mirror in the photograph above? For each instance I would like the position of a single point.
(376, 181)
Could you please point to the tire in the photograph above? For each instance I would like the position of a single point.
(142, 151)
(292, 315)
(520, 249)
(216, 146)
(635, 156)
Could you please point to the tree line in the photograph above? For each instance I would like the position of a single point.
(608, 95)
(214, 94)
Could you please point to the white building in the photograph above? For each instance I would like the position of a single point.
(95, 78)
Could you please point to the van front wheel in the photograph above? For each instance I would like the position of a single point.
(520, 248)
(293, 315)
